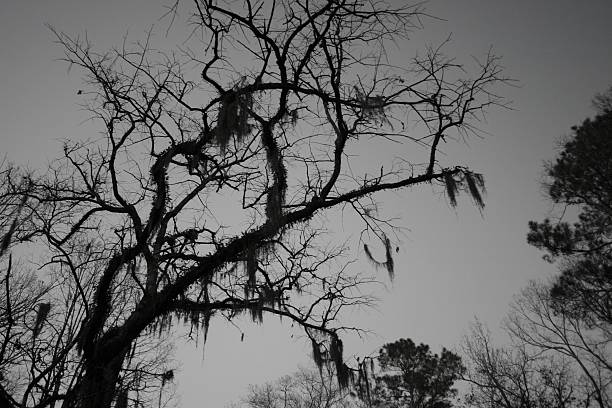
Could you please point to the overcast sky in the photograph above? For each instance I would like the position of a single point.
(454, 264)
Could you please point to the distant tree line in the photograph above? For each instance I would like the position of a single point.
(401, 374)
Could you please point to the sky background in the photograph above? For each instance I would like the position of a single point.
(454, 264)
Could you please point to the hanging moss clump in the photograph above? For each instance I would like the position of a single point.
(369, 255)
(332, 358)
(271, 298)
(250, 264)
(167, 376)
(389, 263)
(294, 117)
(451, 188)
(41, 315)
(160, 325)
(256, 310)
(317, 355)
(233, 116)
(251, 259)
(6, 240)
(205, 326)
(335, 353)
(475, 183)
(468, 181)
(372, 107)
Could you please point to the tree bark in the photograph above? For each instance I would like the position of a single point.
(99, 384)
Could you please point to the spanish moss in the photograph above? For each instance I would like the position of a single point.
(372, 107)
(475, 183)
(317, 355)
(389, 263)
(451, 188)
(41, 315)
(233, 116)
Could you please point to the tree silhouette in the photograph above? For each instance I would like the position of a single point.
(412, 376)
(580, 178)
(553, 329)
(575, 317)
(40, 318)
(305, 388)
(518, 376)
(207, 190)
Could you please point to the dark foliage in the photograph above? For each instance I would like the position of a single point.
(412, 376)
(580, 179)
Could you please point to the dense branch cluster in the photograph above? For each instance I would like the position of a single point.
(202, 196)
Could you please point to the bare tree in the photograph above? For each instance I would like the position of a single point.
(305, 388)
(554, 328)
(40, 318)
(518, 376)
(207, 190)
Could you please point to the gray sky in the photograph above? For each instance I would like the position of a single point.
(454, 263)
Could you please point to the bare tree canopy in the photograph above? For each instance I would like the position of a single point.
(518, 375)
(306, 388)
(205, 193)
(552, 329)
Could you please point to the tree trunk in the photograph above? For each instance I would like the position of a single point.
(99, 384)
